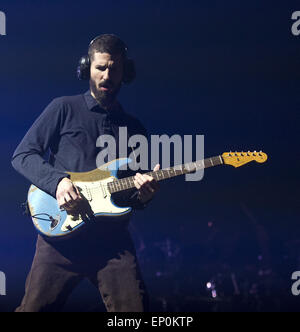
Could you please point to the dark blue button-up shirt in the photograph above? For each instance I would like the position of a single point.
(69, 128)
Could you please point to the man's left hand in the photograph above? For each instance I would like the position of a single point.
(146, 185)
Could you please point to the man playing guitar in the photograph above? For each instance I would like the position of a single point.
(69, 128)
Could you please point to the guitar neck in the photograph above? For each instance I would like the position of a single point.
(167, 173)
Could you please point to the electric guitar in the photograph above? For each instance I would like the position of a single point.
(97, 186)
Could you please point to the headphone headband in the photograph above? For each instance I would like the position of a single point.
(112, 35)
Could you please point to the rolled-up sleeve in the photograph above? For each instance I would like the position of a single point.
(28, 158)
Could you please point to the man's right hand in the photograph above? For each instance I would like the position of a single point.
(67, 195)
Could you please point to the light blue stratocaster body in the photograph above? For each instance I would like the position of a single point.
(95, 188)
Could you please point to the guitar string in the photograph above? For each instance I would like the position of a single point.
(160, 174)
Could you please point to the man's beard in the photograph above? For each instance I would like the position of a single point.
(104, 98)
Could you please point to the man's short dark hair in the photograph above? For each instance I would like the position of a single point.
(107, 43)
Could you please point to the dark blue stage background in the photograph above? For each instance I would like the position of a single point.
(227, 69)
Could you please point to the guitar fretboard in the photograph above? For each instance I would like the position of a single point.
(167, 173)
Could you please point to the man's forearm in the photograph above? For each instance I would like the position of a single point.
(38, 171)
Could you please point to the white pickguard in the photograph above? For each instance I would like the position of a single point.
(99, 199)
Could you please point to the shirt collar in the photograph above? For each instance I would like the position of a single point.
(93, 105)
(90, 101)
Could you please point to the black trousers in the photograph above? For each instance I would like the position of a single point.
(103, 253)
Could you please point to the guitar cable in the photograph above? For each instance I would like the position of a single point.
(26, 211)
(54, 222)
(43, 214)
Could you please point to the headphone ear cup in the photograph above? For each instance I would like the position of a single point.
(83, 69)
(129, 71)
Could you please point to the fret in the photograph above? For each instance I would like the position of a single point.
(177, 171)
(191, 167)
(111, 187)
(217, 161)
(127, 182)
(183, 169)
(155, 175)
(207, 163)
(122, 184)
(195, 164)
(200, 164)
(165, 174)
(132, 185)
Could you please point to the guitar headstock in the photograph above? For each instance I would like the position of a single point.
(238, 159)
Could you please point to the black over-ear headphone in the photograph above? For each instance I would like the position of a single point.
(84, 67)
